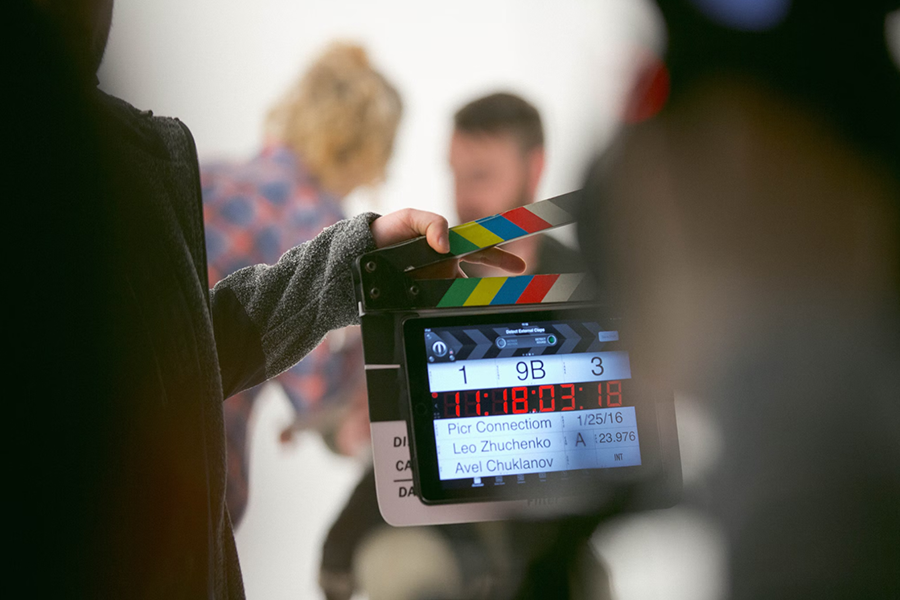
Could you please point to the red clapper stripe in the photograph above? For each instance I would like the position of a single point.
(537, 289)
(526, 219)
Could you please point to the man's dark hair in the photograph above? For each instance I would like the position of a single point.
(502, 113)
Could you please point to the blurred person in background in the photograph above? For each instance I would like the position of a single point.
(331, 133)
(123, 496)
(750, 234)
(496, 155)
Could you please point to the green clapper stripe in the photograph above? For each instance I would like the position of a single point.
(459, 292)
(460, 245)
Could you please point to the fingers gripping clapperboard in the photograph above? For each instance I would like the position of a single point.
(506, 397)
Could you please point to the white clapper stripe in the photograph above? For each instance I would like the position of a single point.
(550, 213)
(563, 288)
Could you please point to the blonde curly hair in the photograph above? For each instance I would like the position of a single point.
(341, 118)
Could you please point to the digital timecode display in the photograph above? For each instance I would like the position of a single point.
(514, 399)
(527, 399)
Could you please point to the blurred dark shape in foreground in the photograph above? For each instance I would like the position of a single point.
(751, 232)
(59, 280)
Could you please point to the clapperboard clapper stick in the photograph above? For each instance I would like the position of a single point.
(385, 274)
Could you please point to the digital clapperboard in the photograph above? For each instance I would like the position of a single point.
(506, 397)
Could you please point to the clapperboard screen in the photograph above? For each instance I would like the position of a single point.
(529, 399)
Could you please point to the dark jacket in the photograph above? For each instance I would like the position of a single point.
(181, 349)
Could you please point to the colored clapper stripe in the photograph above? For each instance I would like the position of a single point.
(458, 292)
(502, 227)
(550, 213)
(460, 245)
(537, 289)
(512, 224)
(563, 287)
(526, 220)
(512, 289)
(525, 289)
(485, 291)
(477, 234)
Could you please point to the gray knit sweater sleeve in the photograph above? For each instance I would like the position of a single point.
(292, 304)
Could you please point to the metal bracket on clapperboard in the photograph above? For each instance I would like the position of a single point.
(387, 296)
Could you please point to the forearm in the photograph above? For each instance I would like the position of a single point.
(268, 317)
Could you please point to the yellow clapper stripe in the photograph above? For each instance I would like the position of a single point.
(477, 234)
(485, 291)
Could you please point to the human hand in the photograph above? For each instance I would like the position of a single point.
(409, 223)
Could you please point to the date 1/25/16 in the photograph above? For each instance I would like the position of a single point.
(528, 399)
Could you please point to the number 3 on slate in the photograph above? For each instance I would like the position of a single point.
(598, 365)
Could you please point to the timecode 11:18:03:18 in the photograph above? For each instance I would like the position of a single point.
(528, 399)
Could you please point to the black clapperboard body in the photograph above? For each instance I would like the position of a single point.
(390, 296)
